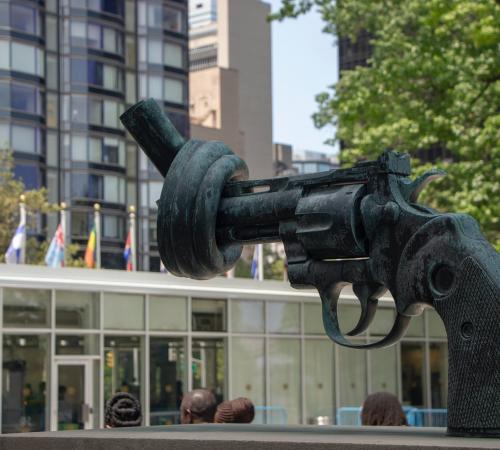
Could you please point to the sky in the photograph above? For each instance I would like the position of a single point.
(304, 63)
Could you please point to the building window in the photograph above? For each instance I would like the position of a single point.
(96, 111)
(156, 15)
(22, 18)
(157, 51)
(174, 20)
(115, 7)
(100, 150)
(21, 97)
(24, 377)
(283, 317)
(209, 366)
(109, 188)
(96, 74)
(20, 138)
(26, 308)
(208, 315)
(75, 309)
(168, 89)
(96, 36)
(247, 316)
(167, 313)
(29, 174)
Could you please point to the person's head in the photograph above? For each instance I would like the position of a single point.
(198, 406)
(239, 410)
(383, 409)
(122, 410)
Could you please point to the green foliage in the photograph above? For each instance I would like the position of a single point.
(433, 80)
(36, 204)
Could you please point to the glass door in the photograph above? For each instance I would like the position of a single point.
(72, 409)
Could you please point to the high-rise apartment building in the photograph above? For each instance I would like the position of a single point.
(68, 69)
(230, 92)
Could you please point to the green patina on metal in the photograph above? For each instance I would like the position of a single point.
(361, 225)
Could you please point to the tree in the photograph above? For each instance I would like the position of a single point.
(433, 80)
(11, 190)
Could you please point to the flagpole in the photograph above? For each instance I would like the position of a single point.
(260, 261)
(63, 226)
(22, 217)
(97, 226)
(132, 237)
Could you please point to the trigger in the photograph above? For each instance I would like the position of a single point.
(367, 294)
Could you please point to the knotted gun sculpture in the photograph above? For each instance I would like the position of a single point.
(361, 225)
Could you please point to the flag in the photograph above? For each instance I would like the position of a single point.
(90, 251)
(255, 263)
(15, 252)
(127, 253)
(55, 253)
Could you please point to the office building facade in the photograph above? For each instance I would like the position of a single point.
(68, 69)
(68, 342)
(230, 89)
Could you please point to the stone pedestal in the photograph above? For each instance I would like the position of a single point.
(247, 437)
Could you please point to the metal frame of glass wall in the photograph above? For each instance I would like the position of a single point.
(273, 346)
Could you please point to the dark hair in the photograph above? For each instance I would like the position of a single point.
(123, 410)
(383, 409)
(239, 410)
(200, 404)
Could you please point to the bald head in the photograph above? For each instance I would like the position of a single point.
(198, 406)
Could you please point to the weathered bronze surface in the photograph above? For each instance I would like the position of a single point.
(361, 225)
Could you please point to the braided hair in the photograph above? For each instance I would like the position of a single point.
(123, 410)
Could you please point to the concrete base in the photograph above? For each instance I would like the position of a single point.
(248, 437)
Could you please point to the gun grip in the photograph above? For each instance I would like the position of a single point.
(471, 315)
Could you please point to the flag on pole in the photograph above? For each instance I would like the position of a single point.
(90, 251)
(257, 263)
(55, 253)
(127, 253)
(15, 252)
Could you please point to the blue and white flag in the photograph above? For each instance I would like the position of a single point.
(16, 251)
(55, 253)
(256, 263)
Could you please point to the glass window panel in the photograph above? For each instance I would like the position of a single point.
(438, 357)
(24, 389)
(110, 226)
(319, 376)
(174, 90)
(168, 379)
(51, 77)
(51, 33)
(5, 96)
(174, 20)
(123, 366)
(435, 324)
(77, 344)
(208, 315)
(248, 370)
(155, 87)
(155, 188)
(24, 139)
(130, 15)
(109, 40)
(94, 36)
(123, 311)
(383, 364)
(95, 145)
(283, 317)
(76, 309)
(22, 18)
(416, 328)
(24, 98)
(247, 316)
(79, 108)
(79, 148)
(95, 111)
(80, 224)
(313, 320)
(4, 136)
(412, 374)
(348, 317)
(40, 62)
(209, 366)
(110, 114)
(24, 58)
(130, 52)
(52, 149)
(29, 174)
(110, 151)
(4, 55)
(155, 51)
(352, 377)
(382, 322)
(26, 308)
(111, 189)
(284, 374)
(173, 55)
(167, 313)
(143, 52)
(155, 15)
(52, 110)
(78, 32)
(131, 94)
(110, 77)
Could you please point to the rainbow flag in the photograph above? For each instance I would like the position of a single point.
(90, 251)
(127, 253)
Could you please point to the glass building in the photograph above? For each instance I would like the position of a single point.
(68, 342)
(68, 69)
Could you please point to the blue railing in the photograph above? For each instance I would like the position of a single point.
(416, 417)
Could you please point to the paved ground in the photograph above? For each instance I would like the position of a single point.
(248, 437)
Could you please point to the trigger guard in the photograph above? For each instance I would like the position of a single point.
(329, 300)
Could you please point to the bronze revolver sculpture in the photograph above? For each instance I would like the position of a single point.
(361, 225)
